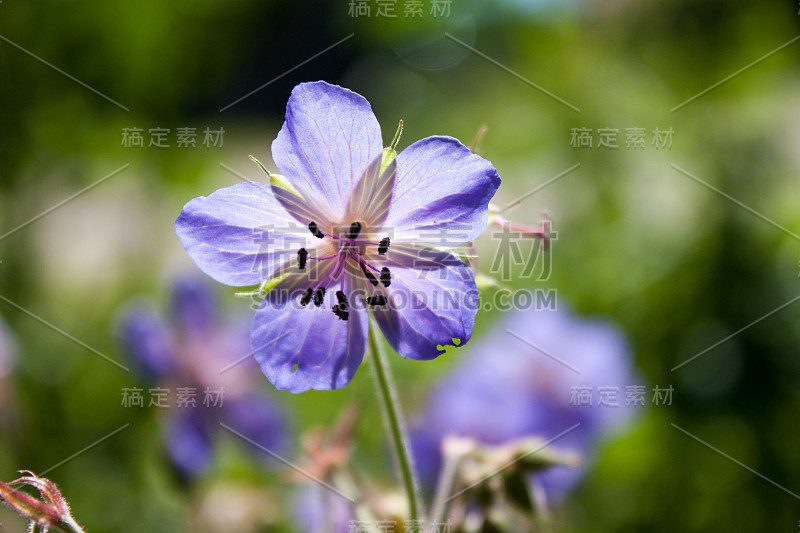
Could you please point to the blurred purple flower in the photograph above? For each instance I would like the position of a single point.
(197, 352)
(8, 350)
(349, 225)
(318, 509)
(505, 389)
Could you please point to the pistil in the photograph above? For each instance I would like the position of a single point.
(347, 249)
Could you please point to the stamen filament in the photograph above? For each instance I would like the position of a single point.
(340, 271)
(324, 258)
(335, 272)
(367, 264)
(349, 240)
(334, 268)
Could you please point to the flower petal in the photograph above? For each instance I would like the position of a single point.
(189, 442)
(194, 304)
(441, 193)
(307, 347)
(372, 195)
(329, 137)
(432, 300)
(302, 210)
(258, 419)
(240, 235)
(426, 446)
(318, 509)
(8, 350)
(147, 339)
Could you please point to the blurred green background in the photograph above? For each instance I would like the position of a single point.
(677, 265)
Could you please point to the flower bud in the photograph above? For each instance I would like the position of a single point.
(51, 512)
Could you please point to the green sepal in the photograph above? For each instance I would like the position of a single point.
(273, 282)
(265, 287)
(485, 282)
(277, 180)
(389, 154)
(387, 158)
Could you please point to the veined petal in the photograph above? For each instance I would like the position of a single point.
(372, 195)
(302, 210)
(329, 138)
(432, 300)
(307, 347)
(441, 193)
(240, 235)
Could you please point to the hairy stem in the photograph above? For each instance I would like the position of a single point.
(394, 422)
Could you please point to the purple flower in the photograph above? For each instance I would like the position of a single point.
(194, 356)
(7, 350)
(348, 226)
(505, 388)
(7, 356)
(318, 509)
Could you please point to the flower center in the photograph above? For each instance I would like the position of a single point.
(349, 247)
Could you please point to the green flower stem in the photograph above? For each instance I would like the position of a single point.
(394, 422)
